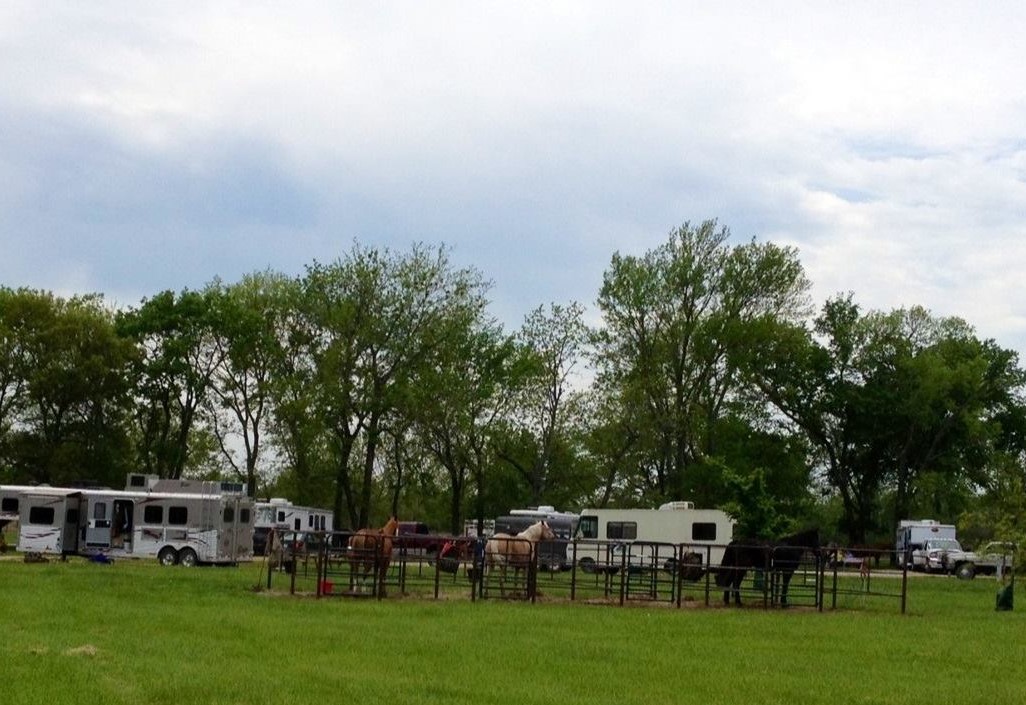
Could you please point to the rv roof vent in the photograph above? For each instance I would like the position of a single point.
(280, 500)
(677, 506)
(546, 508)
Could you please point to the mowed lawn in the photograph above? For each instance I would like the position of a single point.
(135, 632)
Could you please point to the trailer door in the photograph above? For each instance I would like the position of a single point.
(98, 522)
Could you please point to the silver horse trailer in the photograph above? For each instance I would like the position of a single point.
(201, 525)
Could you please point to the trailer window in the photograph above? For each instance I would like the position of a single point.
(281, 517)
(9, 504)
(177, 516)
(229, 515)
(703, 531)
(100, 510)
(41, 516)
(244, 516)
(588, 528)
(622, 530)
(153, 514)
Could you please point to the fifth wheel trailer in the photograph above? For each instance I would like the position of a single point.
(601, 533)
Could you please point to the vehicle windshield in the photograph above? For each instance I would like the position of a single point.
(944, 544)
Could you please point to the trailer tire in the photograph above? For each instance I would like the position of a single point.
(587, 564)
(187, 557)
(167, 556)
(965, 571)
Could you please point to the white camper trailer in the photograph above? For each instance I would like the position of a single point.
(202, 525)
(281, 514)
(604, 533)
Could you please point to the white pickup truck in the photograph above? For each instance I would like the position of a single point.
(947, 556)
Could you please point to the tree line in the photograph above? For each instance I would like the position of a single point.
(380, 383)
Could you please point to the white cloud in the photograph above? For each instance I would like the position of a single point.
(882, 140)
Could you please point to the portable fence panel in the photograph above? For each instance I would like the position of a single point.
(794, 577)
(651, 572)
(554, 564)
(510, 569)
(357, 565)
(694, 575)
(743, 575)
(291, 560)
(597, 571)
(446, 572)
(854, 579)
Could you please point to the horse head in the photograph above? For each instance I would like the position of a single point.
(390, 528)
(547, 534)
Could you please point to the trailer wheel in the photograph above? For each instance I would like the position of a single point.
(965, 571)
(167, 556)
(187, 557)
(587, 564)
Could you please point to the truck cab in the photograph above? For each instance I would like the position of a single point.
(945, 555)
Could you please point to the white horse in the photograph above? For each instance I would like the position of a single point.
(515, 551)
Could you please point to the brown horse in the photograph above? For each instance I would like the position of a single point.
(515, 551)
(371, 549)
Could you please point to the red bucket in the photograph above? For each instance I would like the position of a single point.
(326, 587)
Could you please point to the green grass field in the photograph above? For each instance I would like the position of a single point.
(134, 632)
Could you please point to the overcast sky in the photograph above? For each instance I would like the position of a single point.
(147, 146)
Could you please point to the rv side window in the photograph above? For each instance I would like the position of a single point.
(703, 531)
(229, 515)
(42, 516)
(622, 530)
(588, 528)
(100, 510)
(177, 516)
(299, 523)
(9, 504)
(281, 517)
(244, 516)
(153, 514)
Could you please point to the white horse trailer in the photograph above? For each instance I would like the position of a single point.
(282, 515)
(603, 534)
(201, 526)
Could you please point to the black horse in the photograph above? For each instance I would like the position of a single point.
(779, 558)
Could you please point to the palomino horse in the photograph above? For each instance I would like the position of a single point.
(371, 549)
(779, 557)
(515, 551)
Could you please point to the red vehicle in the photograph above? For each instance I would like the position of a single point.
(416, 538)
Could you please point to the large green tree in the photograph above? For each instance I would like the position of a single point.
(548, 411)
(886, 401)
(375, 319)
(174, 335)
(248, 329)
(670, 321)
(65, 387)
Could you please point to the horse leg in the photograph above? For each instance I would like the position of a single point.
(784, 582)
